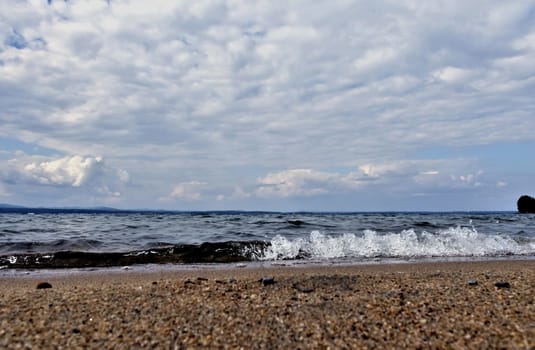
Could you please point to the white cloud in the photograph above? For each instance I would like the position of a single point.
(398, 176)
(299, 182)
(375, 59)
(187, 190)
(468, 180)
(72, 171)
(89, 174)
(453, 74)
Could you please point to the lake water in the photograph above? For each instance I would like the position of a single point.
(54, 239)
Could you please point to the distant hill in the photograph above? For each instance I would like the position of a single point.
(84, 208)
(11, 206)
(5, 207)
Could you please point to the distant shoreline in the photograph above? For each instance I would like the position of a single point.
(98, 210)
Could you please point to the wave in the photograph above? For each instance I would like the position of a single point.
(451, 242)
(220, 252)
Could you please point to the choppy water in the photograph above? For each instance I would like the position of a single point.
(71, 239)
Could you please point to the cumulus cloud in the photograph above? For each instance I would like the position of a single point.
(403, 176)
(85, 172)
(72, 171)
(302, 182)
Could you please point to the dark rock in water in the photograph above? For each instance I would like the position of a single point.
(267, 280)
(472, 282)
(526, 204)
(502, 284)
(44, 285)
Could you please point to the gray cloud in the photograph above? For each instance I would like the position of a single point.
(224, 93)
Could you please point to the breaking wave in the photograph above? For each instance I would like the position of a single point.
(451, 242)
(316, 246)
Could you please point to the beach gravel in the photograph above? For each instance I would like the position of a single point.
(425, 305)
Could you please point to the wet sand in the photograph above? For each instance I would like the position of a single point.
(452, 305)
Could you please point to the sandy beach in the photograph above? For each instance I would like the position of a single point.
(452, 305)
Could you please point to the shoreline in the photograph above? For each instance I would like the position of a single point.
(17, 272)
(422, 304)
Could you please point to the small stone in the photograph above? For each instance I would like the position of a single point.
(502, 284)
(44, 285)
(472, 282)
(267, 280)
(303, 289)
(76, 330)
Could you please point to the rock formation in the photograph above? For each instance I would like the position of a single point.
(526, 204)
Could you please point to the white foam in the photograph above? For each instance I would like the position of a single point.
(453, 242)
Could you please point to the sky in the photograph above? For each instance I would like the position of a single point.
(333, 105)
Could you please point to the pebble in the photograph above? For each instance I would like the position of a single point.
(502, 284)
(267, 280)
(44, 285)
(472, 282)
(303, 289)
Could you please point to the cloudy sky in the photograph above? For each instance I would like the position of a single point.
(267, 105)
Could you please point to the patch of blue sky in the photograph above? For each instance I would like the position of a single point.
(12, 145)
(19, 42)
(16, 40)
(497, 155)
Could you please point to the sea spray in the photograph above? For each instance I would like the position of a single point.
(452, 242)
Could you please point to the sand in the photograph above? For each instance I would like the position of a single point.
(424, 305)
